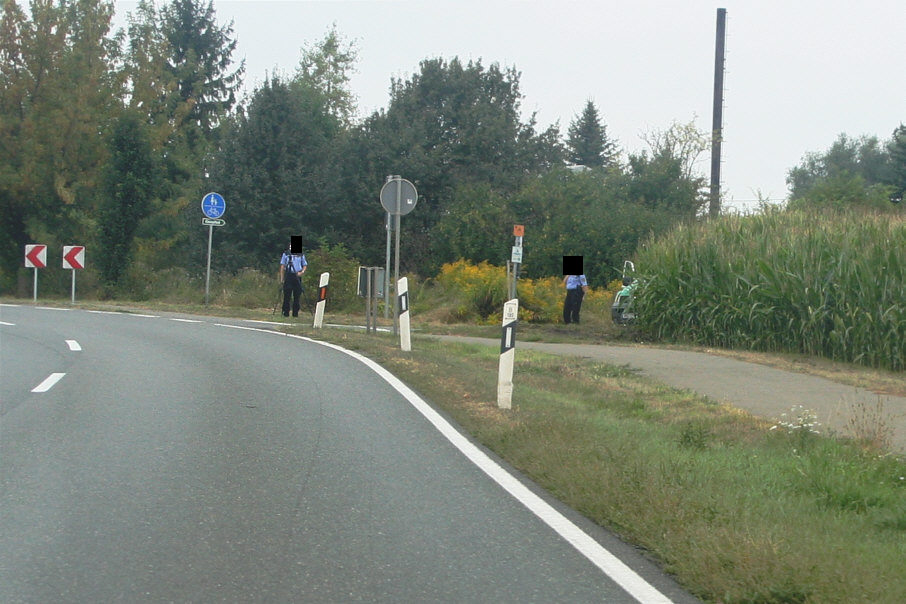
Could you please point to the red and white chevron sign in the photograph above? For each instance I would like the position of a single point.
(35, 256)
(73, 256)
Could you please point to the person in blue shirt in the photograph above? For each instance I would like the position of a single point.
(292, 267)
(576, 288)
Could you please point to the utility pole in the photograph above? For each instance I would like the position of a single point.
(717, 121)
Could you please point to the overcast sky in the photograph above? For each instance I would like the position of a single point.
(798, 73)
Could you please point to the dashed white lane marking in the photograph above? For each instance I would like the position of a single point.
(104, 312)
(73, 345)
(52, 308)
(8, 324)
(187, 320)
(48, 383)
(597, 554)
(145, 316)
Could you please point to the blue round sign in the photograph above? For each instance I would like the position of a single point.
(213, 205)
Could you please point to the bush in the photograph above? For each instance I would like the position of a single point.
(478, 293)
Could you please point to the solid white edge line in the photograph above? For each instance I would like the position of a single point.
(73, 345)
(48, 382)
(596, 553)
(265, 322)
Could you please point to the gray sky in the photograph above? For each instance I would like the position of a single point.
(798, 73)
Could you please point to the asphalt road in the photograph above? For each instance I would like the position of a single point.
(189, 459)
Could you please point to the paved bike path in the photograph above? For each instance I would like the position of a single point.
(758, 389)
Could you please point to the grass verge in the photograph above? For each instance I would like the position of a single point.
(736, 511)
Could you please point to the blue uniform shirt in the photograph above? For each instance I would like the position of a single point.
(298, 261)
(575, 281)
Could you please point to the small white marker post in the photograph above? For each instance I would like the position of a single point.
(402, 287)
(507, 355)
(322, 300)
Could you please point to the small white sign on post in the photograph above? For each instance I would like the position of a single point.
(322, 300)
(402, 287)
(507, 355)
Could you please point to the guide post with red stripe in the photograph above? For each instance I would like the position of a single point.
(35, 257)
(507, 355)
(73, 259)
(322, 300)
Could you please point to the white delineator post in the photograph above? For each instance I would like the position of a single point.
(402, 287)
(322, 300)
(507, 355)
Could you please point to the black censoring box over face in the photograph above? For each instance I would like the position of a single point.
(295, 244)
(572, 265)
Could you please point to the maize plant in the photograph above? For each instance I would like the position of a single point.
(828, 285)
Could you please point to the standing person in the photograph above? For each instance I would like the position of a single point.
(292, 267)
(576, 288)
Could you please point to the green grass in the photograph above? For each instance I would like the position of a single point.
(736, 511)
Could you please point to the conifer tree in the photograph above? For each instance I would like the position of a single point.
(587, 143)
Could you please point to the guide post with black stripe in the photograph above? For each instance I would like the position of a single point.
(322, 300)
(507, 355)
(402, 287)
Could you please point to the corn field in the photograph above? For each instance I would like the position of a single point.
(827, 285)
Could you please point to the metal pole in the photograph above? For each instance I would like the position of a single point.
(36, 284)
(207, 281)
(368, 273)
(396, 273)
(396, 264)
(387, 272)
(717, 120)
(73, 286)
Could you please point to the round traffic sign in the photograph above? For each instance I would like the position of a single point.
(398, 196)
(213, 205)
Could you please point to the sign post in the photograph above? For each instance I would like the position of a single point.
(35, 258)
(73, 259)
(213, 206)
(398, 196)
(516, 257)
(322, 301)
(507, 355)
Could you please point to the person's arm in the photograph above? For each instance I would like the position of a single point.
(282, 268)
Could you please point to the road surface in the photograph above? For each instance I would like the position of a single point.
(189, 459)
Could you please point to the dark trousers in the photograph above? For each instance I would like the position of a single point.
(292, 286)
(572, 305)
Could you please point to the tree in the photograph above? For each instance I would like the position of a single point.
(127, 186)
(896, 175)
(587, 143)
(452, 126)
(852, 172)
(325, 67)
(275, 167)
(60, 89)
(200, 60)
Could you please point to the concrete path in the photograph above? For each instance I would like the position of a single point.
(761, 390)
